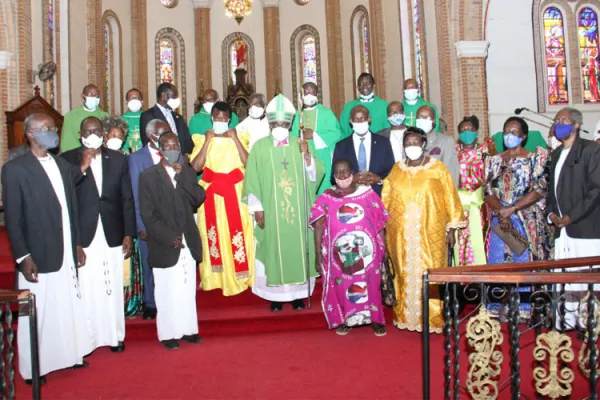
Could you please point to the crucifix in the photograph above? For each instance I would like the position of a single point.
(285, 164)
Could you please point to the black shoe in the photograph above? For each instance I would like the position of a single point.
(149, 313)
(191, 338)
(119, 348)
(276, 307)
(170, 344)
(82, 365)
(298, 305)
(42, 381)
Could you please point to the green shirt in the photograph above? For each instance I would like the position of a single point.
(69, 136)
(202, 122)
(133, 142)
(377, 108)
(410, 110)
(534, 140)
(323, 121)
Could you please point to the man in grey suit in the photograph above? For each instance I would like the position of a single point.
(395, 132)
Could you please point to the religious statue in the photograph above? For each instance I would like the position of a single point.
(241, 53)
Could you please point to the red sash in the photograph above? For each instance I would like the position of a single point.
(224, 185)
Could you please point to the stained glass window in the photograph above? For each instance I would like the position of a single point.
(556, 59)
(107, 75)
(50, 87)
(309, 52)
(418, 50)
(365, 43)
(167, 70)
(587, 28)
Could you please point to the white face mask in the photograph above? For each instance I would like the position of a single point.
(174, 103)
(134, 105)
(361, 128)
(413, 152)
(220, 127)
(554, 143)
(91, 103)
(425, 124)
(92, 142)
(310, 100)
(411, 94)
(256, 112)
(208, 106)
(114, 143)
(280, 133)
(367, 96)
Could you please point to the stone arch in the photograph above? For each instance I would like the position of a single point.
(356, 19)
(179, 62)
(295, 50)
(110, 19)
(226, 60)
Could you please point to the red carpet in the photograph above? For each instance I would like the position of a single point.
(251, 353)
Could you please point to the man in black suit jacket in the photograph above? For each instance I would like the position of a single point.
(373, 162)
(107, 226)
(169, 191)
(574, 200)
(167, 102)
(41, 217)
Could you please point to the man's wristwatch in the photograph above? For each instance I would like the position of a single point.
(380, 182)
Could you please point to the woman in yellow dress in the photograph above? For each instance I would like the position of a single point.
(425, 211)
(226, 227)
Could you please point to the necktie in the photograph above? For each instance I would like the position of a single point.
(171, 122)
(362, 155)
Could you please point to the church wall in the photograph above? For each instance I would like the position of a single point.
(220, 27)
(78, 61)
(37, 36)
(393, 47)
(347, 7)
(431, 53)
(511, 71)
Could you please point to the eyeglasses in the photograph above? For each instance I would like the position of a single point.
(46, 129)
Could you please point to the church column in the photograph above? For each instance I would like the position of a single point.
(335, 55)
(139, 48)
(272, 47)
(472, 55)
(95, 44)
(378, 46)
(202, 33)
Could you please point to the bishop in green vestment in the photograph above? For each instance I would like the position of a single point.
(377, 106)
(202, 121)
(274, 192)
(133, 141)
(413, 101)
(321, 130)
(69, 136)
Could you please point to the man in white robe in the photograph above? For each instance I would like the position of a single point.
(574, 205)
(107, 226)
(169, 194)
(41, 217)
(256, 124)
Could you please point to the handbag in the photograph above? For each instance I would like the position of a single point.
(513, 239)
(388, 273)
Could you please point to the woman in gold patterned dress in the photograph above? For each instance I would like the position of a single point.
(425, 211)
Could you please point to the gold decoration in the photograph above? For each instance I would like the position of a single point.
(552, 382)
(238, 9)
(584, 352)
(485, 362)
(286, 184)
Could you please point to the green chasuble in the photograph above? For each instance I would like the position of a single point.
(534, 140)
(377, 108)
(202, 122)
(133, 142)
(69, 136)
(274, 176)
(323, 121)
(411, 113)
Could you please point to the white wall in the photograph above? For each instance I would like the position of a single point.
(78, 60)
(511, 71)
(393, 48)
(346, 9)
(431, 54)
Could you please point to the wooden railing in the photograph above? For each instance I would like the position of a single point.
(547, 279)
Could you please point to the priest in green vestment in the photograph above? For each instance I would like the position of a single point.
(321, 129)
(376, 105)
(69, 136)
(202, 121)
(133, 141)
(275, 194)
(413, 101)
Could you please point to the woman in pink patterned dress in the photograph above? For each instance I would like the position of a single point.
(470, 247)
(348, 221)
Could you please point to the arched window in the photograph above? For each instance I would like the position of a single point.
(360, 41)
(113, 64)
(50, 52)
(587, 30)
(170, 62)
(555, 57)
(305, 52)
(419, 50)
(237, 52)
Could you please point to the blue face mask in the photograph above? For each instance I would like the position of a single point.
(46, 139)
(562, 131)
(396, 119)
(511, 140)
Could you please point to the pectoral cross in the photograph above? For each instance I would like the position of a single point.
(285, 164)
